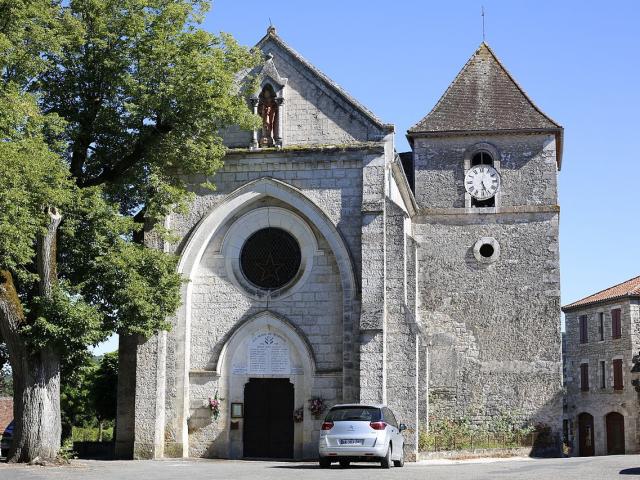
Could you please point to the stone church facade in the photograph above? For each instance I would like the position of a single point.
(326, 265)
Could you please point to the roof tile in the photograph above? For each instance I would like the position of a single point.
(630, 288)
(484, 97)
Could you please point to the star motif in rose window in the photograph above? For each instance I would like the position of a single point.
(269, 269)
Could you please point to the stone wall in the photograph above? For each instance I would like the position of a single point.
(332, 179)
(6, 412)
(598, 401)
(492, 324)
(493, 330)
(527, 166)
(313, 112)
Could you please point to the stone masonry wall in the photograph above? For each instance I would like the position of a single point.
(600, 401)
(401, 352)
(6, 412)
(493, 330)
(527, 168)
(313, 112)
(333, 180)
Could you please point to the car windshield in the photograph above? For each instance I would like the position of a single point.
(362, 414)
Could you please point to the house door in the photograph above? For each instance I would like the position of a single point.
(268, 418)
(585, 435)
(615, 434)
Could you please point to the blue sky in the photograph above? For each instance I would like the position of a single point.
(578, 60)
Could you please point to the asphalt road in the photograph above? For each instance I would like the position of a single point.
(595, 468)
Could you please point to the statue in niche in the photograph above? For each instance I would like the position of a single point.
(268, 110)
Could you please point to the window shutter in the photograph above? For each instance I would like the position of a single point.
(616, 330)
(584, 332)
(584, 377)
(617, 375)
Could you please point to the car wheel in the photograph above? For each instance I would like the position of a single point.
(324, 462)
(399, 463)
(386, 460)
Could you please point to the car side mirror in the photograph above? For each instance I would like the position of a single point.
(402, 427)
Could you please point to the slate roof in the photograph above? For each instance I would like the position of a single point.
(484, 97)
(630, 288)
(273, 36)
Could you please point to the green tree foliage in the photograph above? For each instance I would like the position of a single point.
(89, 392)
(106, 107)
(76, 394)
(105, 385)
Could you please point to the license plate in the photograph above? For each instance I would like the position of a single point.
(351, 441)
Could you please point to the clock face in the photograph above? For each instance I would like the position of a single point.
(482, 182)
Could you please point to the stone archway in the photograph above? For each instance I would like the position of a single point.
(266, 347)
(586, 447)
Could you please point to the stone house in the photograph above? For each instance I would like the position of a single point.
(328, 266)
(603, 334)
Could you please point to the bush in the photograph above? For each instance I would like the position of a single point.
(91, 434)
(461, 434)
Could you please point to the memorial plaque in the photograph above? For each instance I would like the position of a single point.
(269, 354)
(239, 370)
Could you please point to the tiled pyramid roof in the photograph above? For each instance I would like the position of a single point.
(630, 288)
(484, 97)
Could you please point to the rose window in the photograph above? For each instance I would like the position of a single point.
(270, 258)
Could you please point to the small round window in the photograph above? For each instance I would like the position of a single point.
(270, 258)
(486, 250)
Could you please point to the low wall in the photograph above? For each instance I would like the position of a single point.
(6, 412)
(475, 453)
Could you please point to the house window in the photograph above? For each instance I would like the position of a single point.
(601, 325)
(616, 328)
(482, 158)
(603, 374)
(584, 377)
(617, 374)
(584, 330)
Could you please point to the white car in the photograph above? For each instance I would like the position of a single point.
(361, 433)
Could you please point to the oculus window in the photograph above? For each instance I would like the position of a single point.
(270, 258)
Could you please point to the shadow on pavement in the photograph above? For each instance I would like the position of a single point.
(630, 471)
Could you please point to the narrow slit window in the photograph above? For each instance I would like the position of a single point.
(603, 374)
(601, 325)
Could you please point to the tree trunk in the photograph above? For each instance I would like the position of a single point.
(38, 429)
(36, 375)
(100, 430)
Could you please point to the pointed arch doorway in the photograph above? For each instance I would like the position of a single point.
(267, 365)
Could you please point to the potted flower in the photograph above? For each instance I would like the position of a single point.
(214, 406)
(317, 406)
